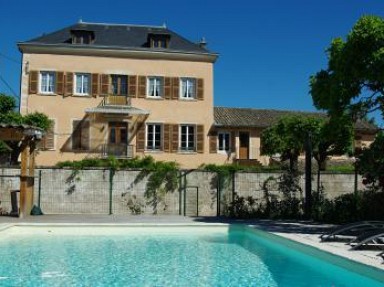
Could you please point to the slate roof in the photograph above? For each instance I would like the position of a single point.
(263, 118)
(119, 36)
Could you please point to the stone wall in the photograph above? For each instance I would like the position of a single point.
(63, 191)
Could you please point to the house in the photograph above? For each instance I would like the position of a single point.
(130, 90)
(238, 131)
(121, 90)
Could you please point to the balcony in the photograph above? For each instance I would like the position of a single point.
(114, 100)
(117, 150)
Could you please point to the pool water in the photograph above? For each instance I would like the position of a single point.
(214, 258)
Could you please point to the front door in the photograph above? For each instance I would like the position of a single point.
(117, 138)
(244, 145)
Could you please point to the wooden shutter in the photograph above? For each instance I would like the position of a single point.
(140, 138)
(167, 138)
(59, 83)
(167, 88)
(175, 138)
(85, 133)
(95, 85)
(33, 82)
(200, 139)
(213, 142)
(76, 135)
(200, 89)
(69, 84)
(48, 140)
(142, 86)
(233, 141)
(104, 85)
(175, 88)
(132, 86)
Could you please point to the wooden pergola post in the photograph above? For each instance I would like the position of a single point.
(27, 136)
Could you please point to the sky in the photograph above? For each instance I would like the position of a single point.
(267, 49)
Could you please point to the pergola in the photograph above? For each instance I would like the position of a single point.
(28, 136)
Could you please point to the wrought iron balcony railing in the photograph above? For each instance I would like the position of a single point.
(117, 150)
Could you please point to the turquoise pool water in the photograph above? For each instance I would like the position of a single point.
(214, 258)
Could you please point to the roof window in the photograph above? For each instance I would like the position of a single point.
(82, 37)
(159, 40)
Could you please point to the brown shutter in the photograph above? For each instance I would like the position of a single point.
(200, 139)
(76, 135)
(85, 141)
(33, 82)
(175, 138)
(95, 84)
(175, 88)
(167, 138)
(167, 88)
(48, 140)
(200, 89)
(59, 83)
(104, 85)
(132, 86)
(142, 86)
(233, 141)
(213, 142)
(69, 84)
(140, 138)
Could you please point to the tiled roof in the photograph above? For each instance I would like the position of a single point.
(119, 36)
(263, 118)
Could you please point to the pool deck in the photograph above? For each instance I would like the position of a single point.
(301, 231)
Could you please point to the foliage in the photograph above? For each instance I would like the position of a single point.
(7, 104)
(288, 136)
(353, 82)
(345, 168)
(162, 177)
(371, 164)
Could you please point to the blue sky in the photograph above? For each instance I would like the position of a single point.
(268, 49)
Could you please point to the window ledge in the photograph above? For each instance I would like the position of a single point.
(47, 94)
(188, 100)
(81, 96)
(154, 98)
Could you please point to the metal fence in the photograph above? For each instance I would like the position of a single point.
(103, 191)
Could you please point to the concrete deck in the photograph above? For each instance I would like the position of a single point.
(300, 231)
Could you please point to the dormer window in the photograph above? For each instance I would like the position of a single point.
(159, 40)
(82, 37)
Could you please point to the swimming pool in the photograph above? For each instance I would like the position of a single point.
(168, 256)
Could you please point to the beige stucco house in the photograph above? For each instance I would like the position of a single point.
(128, 90)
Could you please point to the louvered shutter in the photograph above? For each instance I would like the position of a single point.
(233, 141)
(33, 82)
(213, 142)
(167, 88)
(140, 138)
(167, 138)
(48, 140)
(95, 85)
(69, 84)
(85, 133)
(132, 86)
(175, 138)
(142, 86)
(104, 85)
(59, 83)
(200, 139)
(175, 88)
(200, 89)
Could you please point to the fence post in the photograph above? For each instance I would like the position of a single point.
(39, 190)
(111, 174)
(185, 193)
(180, 189)
(233, 186)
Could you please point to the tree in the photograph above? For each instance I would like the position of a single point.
(288, 136)
(353, 83)
(9, 116)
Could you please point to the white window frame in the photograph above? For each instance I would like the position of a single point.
(158, 83)
(188, 83)
(152, 147)
(51, 76)
(82, 93)
(226, 147)
(187, 148)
